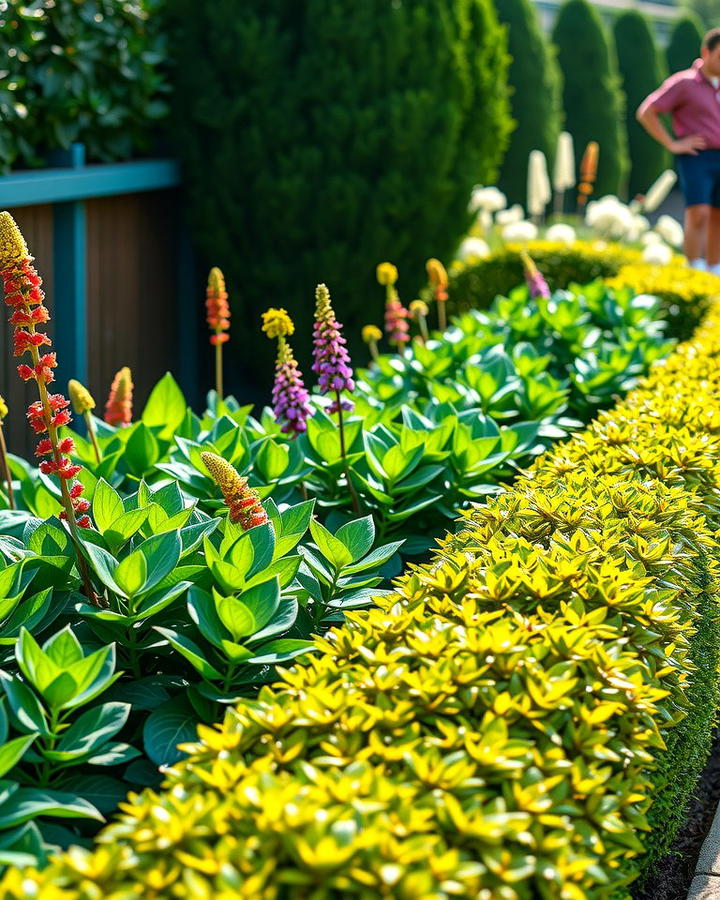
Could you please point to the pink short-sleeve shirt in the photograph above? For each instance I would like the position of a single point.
(693, 102)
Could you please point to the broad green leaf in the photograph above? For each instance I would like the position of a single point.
(332, 549)
(107, 506)
(190, 650)
(12, 752)
(357, 536)
(166, 406)
(171, 724)
(235, 615)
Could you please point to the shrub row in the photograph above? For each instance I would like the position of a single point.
(498, 727)
(476, 286)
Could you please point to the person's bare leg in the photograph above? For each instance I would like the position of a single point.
(697, 218)
(713, 238)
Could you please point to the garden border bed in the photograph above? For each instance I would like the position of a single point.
(504, 721)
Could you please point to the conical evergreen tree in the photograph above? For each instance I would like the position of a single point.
(592, 98)
(641, 72)
(320, 137)
(684, 46)
(536, 96)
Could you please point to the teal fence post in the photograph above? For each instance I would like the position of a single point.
(70, 281)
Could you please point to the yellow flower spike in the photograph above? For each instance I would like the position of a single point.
(80, 397)
(242, 500)
(13, 248)
(386, 273)
(216, 280)
(419, 308)
(437, 273)
(3, 409)
(277, 323)
(371, 333)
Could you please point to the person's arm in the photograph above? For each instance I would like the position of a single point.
(649, 118)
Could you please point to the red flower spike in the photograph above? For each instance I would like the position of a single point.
(22, 292)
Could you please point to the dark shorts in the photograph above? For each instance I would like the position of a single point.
(700, 177)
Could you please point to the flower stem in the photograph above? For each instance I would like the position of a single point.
(341, 426)
(218, 371)
(93, 435)
(6, 469)
(442, 315)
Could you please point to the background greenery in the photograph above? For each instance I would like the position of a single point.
(535, 95)
(592, 97)
(319, 138)
(89, 72)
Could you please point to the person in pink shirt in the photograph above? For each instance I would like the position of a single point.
(692, 97)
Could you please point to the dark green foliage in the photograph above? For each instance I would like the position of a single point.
(536, 98)
(87, 71)
(641, 72)
(477, 286)
(320, 138)
(684, 46)
(592, 98)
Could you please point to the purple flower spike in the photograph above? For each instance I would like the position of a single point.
(331, 359)
(537, 285)
(290, 399)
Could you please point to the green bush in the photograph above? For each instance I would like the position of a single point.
(641, 72)
(89, 72)
(592, 98)
(684, 46)
(536, 98)
(476, 286)
(321, 138)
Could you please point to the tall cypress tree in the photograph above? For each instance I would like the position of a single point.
(536, 97)
(684, 46)
(592, 98)
(641, 72)
(320, 137)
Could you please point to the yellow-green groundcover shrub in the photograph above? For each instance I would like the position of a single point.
(497, 729)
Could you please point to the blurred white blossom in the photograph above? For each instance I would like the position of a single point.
(657, 254)
(564, 171)
(519, 232)
(659, 190)
(670, 230)
(515, 213)
(562, 233)
(490, 198)
(539, 192)
(609, 217)
(473, 248)
(650, 237)
(639, 226)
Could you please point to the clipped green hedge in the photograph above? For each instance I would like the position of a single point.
(476, 286)
(500, 726)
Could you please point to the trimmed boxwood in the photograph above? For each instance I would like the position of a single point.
(501, 724)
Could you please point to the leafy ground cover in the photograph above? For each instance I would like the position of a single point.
(501, 724)
(118, 639)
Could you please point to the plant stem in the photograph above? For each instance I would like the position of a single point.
(6, 469)
(442, 315)
(559, 201)
(218, 371)
(341, 426)
(93, 435)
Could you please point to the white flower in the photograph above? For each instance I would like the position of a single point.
(670, 230)
(564, 171)
(657, 254)
(519, 232)
(507, 216)
(473, 248)
(489, 198)
(562, 233)
(484, 219)
(639, 225)
(659, 190)
(539, 192)
(609, 216)
(650, 237)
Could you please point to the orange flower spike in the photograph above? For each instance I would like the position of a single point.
(119, 406)
(218, 319)
(242, 500)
